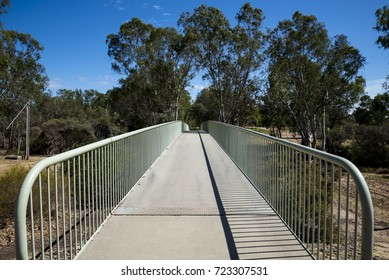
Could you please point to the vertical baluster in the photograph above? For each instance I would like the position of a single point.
(299, 195)
(304, 187)
(319, 211)
(339, 212)
(356, 225)
(79, 223)
(33, 251)
(309, 202)
(84, 196)
(63, 210)
(93, 186)
(347, 217)
(332, 209)
(97, 187)
(101, 209)
(49, 213)
(325, 210)
(70, 211)
(293, 197)
(42, 229)
(89, 203)
(56, 209)
(314, 206)
(74, 230)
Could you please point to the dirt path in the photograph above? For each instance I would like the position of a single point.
(379, 189)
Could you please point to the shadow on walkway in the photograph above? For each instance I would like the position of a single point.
(252, 229)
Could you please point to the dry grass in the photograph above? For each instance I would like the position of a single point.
(7, 163)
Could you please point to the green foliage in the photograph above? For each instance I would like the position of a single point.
(371, 146)
(340, 137)
(382, 26)
(60, 135)
(158, 67)
(10, 182)
(373, 111)
(4, 5)
(311, 76)
(22, 78)
(204, 108)
(230, 57)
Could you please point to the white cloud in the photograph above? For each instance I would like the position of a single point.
(195, 89)
(55, 84)
(82, 78)
(166, 14)
(106, 80)
(374, 87)
(157, 7)
(118, 4)
(154, 22)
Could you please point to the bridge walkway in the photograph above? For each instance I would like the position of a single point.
(193, 203)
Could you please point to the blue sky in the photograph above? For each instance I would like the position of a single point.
(73, 32)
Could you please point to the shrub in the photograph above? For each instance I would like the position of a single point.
(60, 135)
(371, 146)
(10, 183)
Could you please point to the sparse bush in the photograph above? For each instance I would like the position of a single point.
(60, 135)
(371, 146)
(10, 183)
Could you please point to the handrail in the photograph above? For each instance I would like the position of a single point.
(74, 192)
(309, 189)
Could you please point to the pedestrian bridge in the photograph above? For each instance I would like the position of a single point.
(222, 192)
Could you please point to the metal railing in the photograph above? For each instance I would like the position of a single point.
(65, 198)
(322, 198)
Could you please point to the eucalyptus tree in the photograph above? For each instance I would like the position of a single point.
(230, 57)
(312, 76)
(22, 77)
(160, 57)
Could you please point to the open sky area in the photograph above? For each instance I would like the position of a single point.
(73, 32)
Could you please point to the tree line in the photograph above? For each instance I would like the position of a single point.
(292, 77)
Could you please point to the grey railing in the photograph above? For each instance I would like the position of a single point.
(65, 198)
(322, 198)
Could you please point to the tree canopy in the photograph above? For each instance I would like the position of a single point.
(312, 75)
(157, 65)
(382, 26)
(230, 57)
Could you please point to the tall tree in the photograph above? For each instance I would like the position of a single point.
(229, 57)
(312, 75)
(22, 77)
(159, 56)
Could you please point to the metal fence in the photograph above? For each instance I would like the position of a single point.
(66, 198)
(322, 198)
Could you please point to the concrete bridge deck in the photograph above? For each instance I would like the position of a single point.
(193, 203)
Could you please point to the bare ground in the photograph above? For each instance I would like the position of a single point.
(379, 189)
(378, 184)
